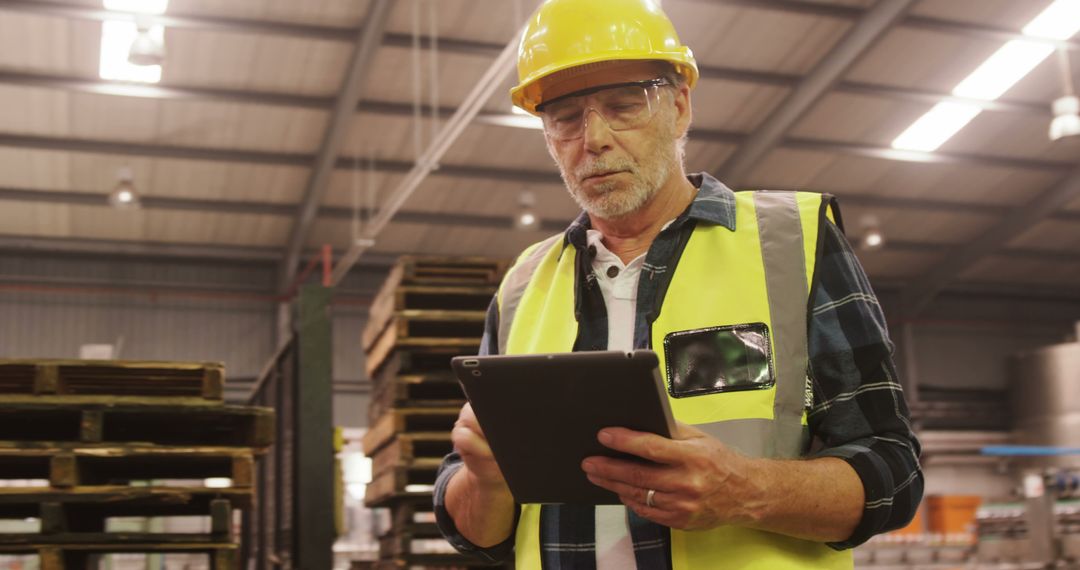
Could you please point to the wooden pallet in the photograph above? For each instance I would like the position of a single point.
(412, 451)
(425, 324)
(413, 270)
(394, 298)
(415, 391)
(222, 425)
(418, 355)
(415, 421)
(109, 380)
(420, 361)
(401, 483)
(75, 465)
(68, 523)
(99, 502)
(222, 556)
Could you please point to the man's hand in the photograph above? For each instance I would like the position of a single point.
(469, 441)
(698, 482)
(477, 496)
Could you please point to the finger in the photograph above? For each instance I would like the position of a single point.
(628, 492)
(468, 442)
(468, 417)
(634, 473)
(646, 445)
(687, 431)
(672, 519)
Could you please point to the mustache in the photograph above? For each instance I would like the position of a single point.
(602, 167)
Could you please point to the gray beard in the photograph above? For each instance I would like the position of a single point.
(607, 201)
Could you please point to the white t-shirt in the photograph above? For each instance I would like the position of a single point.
(619, 284)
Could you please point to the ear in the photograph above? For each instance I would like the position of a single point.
(683, 111)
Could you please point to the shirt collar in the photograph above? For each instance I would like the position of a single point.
(714, 204)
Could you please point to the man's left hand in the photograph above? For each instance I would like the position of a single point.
(697, 481)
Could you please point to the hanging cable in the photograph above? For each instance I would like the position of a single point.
(356, 225)
(433, 62)
(417, 88)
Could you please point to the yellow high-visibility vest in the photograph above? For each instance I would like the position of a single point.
(760, 273)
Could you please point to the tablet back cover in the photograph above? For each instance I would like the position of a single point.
(541, 414)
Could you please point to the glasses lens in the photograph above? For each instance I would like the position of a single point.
(622, 108)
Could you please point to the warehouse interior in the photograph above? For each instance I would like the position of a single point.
(271, 170)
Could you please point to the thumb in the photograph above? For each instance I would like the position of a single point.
(687, 431)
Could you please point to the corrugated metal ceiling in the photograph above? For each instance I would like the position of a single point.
(776, 46)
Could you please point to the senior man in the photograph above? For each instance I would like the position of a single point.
(793, 442)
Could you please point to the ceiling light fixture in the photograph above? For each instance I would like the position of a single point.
(148, 47)
(937, 126)
(999, 73)
(527, 218)
(132, 46)
(872, 236)
(124, 196)
(118, 42)
(137, 6)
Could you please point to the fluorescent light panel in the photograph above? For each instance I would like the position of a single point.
(116, 39)
(937, 126)
(1059, 21)
(1004, 69)
(137, 6)
(999, 73)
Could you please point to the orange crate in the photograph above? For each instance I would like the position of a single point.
(952, 514)
(917, 525)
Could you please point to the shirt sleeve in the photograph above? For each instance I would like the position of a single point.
(489, 344)
(858, 412)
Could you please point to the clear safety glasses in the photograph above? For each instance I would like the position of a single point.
(623, 106)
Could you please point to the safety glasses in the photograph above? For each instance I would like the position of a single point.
(623, 106)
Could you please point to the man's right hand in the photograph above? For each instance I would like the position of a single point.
(469, 441)
(477, 496)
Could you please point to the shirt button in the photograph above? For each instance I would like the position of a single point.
(612, 271)
(592, 251)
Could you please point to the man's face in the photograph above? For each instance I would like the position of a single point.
(612, 173)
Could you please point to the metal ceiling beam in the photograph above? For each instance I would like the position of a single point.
(81, 246)
(144, 90)
(156, 150)
(921, 291)
(937, 157)
(321, 103)
(495, 173)
(871, 27)
(242, 207)
(160, 250)
(179, 20)
(842, 12)
(1018, 253)
(339, 34)
(340, 122)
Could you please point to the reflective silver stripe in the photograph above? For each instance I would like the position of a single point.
(782, 252)
(752, 437)
(514, 285)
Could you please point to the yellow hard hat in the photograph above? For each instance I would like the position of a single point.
(568, 33)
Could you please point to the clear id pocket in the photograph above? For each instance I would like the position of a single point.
(719, 359)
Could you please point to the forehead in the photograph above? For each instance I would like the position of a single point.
(592, 75)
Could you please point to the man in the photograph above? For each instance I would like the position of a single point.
(793, 443)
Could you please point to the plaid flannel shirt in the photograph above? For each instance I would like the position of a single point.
(858, 412)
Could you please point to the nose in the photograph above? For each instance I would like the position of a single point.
(597, 136)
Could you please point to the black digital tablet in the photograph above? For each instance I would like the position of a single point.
(541, 414)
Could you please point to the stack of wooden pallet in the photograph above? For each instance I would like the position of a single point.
(428, 311)
(90, 441)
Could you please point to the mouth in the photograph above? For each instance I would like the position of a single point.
(600, 176)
